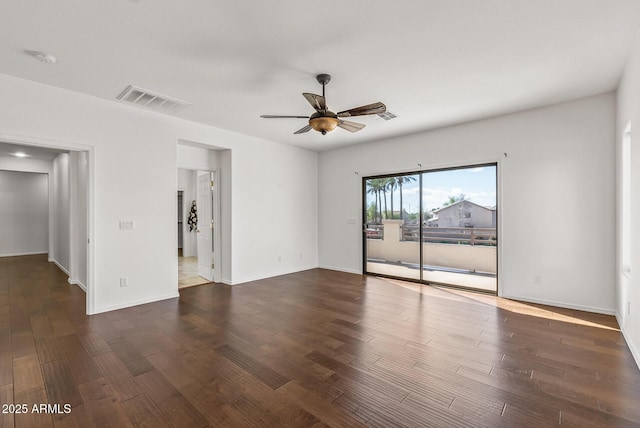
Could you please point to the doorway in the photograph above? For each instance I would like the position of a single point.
(433, 226)
(197, 219)
(65, 236)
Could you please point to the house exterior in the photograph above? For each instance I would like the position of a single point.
(464, 214)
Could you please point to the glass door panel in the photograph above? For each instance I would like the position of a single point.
(459, 241)
(392, 225)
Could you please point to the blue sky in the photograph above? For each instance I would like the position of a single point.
(478, 185)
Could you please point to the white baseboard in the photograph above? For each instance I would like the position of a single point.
(135, 303)
(339, 269)
(634, 351)
(62, 268)
(271, 275)
(78, 283)
(30, 253)
(565, 305)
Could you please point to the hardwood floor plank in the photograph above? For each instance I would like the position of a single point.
(104, 410)
(33, 418)
(61, 387)
(270, 377)
(23, 345)
(351, 378)
(143, 413)
(26, 374)
(122, 383)
(49, 349)
(94, 344)
(6, 397)
(277, 406)
(210, 399)
(173, 405)
(321, 409)
(81, 364)
(6, 368)
(130, 357)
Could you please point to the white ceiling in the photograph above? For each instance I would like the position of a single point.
(432, 62)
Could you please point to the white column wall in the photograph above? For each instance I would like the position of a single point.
(61, 213)
(628, 287)
(78, 214)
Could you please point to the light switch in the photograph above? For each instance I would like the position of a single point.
(127, 225)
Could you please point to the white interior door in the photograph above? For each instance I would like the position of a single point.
(205, 225)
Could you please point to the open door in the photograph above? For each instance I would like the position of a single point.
(205, 225)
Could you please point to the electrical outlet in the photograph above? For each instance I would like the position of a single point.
(537, 279)
(124, 282)
(629, 308)
(279, 258)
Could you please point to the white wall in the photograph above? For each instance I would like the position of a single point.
(78, 215)
(226, 219)
(559, 157)
(134, 163)
(24, 213)
(61, 213)
(628, 287)
(12, 163)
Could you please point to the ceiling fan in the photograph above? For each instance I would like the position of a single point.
(324, 120)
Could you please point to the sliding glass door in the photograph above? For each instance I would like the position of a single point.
(434, 226)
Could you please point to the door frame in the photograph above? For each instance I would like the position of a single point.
(420, 173)
(90, 248)
(216, 213)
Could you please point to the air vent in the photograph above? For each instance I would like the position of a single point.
(151, 100)
(387, 115)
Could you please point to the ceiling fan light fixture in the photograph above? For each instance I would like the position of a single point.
(324, 124)
(324, 120)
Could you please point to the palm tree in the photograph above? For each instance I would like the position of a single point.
(392, 185)
(383, 189)
(374, 187)
(403, 179)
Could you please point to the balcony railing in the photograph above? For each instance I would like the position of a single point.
(450, 235)
(439, 235)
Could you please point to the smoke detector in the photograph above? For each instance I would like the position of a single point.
(45, 57)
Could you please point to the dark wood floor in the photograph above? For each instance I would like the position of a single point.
(316, 348)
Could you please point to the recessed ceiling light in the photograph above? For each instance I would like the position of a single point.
(45, 57)
(20, 155)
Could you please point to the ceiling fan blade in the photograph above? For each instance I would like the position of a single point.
(318, 102)
(274, 116)
(303, 130)
(350, 126)
(375, 108)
